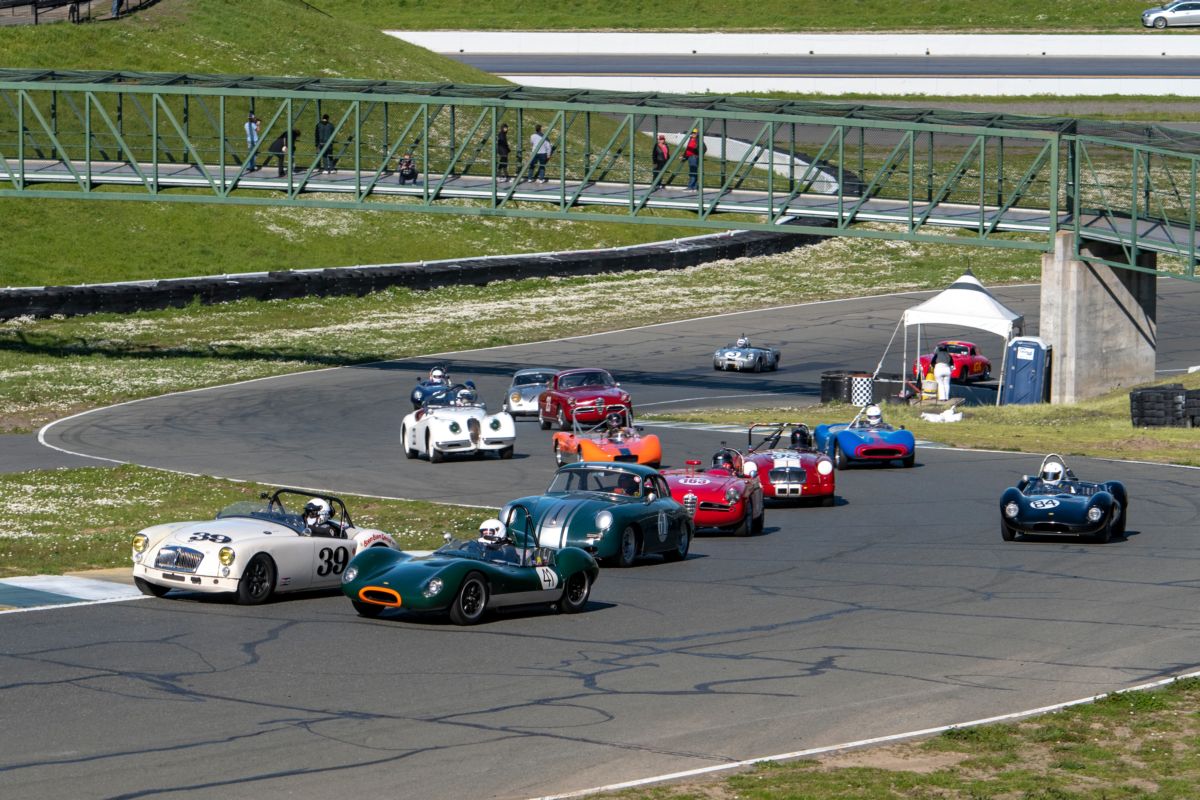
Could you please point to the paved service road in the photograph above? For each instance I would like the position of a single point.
(898, 609)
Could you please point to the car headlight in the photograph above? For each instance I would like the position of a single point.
(350, 574)
(570, 401)
(824, 466)
(140, 542)
(732, 495)
(416, 396)
(1010, 509)
(515, 397)
(455, 427)
(1095, 513)
(604, 520)
(495, 424)
(225, 555)
(433, 588)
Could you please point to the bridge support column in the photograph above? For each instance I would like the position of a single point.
(1101, 321)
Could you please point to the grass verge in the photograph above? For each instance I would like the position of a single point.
(76, 519)
(1123, 747)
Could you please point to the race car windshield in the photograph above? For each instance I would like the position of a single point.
(257, 510)
(578, 379)
(606, 481)
(532, 378)
(958, 350)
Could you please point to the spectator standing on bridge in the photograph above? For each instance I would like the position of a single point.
(252, 133)
(692, 152)
(540, 144)
(502, 151)
(279, 149)
(116, 8)
(661, 155)
(324, 142)
(407, 168)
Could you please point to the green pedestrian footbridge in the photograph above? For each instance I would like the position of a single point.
(993, 180)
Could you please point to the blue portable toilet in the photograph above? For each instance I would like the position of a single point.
(1026, 371)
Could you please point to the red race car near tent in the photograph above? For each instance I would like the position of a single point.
(969, 363)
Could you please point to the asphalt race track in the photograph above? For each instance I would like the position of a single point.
(899, 609)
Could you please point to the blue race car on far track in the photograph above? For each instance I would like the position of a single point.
(866, 439)
(1056, 503)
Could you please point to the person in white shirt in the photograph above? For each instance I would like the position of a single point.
(542, 148)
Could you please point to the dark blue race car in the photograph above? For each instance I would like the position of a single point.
(437, 380)
(1056, 503)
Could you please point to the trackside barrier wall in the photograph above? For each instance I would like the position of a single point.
(287, 284)
(1170, 405)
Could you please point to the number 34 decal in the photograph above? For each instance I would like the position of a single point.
(333, 560)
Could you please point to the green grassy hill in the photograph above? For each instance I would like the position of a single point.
(118, 241)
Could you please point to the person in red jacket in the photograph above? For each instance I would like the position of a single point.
(692, 151)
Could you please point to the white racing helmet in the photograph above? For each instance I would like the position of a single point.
(492, 531)
(1052, 472)
(316, 511)
(437, 374)
(743, 342)
(874, 415)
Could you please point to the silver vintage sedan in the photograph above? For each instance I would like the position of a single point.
(522, 395)
(742, 355)
(1173, 15)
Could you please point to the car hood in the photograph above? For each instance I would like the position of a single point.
(218, 532)
(557, 515)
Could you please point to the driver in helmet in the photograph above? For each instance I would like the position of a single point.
(723, 460)
(494, 538)
(438, 375)
(613, 429)
(801, 438)
(743, 342)
(627, 484)
(317, 521)
(873, 417)
(1052, 473)
(465, 397)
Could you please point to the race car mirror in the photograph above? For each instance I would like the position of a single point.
(650, 497)
(446, 536)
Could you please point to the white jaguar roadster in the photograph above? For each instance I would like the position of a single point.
(288, 541)
(454, 421)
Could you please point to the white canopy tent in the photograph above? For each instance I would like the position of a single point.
(964, 304)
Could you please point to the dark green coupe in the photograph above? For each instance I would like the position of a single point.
(615, 511)
(469, 577)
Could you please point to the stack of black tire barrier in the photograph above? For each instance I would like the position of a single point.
(1170, 406)
(835, 386)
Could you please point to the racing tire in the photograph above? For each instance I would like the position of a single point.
(435, 455)
(839, 458)
(758, 523)
(1007, 533)
(257, 582)
(1105, 534)
(575, 594)
(409, 452)
(542, 421)
(626, 548)
(153, 589)
(908, 461)
(716, 367)
(829, 501)
(369, 610)
(506, 453)
(679, 551)
(1118, 527)
(558, 455)
(562, 420)
(1160, 22)
(744, 527)
(471, 601)
(758, 365)
(775, 366)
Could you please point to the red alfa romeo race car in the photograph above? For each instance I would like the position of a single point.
(727, 495)
(969, 364)
(790, 469)
(588, 390)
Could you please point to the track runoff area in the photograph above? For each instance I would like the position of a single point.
(898, 610)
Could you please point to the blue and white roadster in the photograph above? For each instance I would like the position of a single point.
(864, 440)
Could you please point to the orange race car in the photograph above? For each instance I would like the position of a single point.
(615, 438)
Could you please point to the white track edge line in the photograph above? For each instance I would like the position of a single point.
(53, 606)
(895, 737)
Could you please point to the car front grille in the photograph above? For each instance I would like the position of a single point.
(880, 452)
(629, 459)
(706, 506)
(178, 559)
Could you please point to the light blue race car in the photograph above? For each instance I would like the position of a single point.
(866, 439)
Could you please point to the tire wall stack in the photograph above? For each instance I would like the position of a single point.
(1165, 406)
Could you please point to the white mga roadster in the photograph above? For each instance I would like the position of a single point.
(454, 421)
(288, 541)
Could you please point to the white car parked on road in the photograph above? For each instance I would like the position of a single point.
(455, 421)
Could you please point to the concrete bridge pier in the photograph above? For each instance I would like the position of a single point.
(1101, 321)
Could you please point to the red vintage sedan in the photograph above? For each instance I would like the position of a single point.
(969, 364)
(727, 495)
(580, 394)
